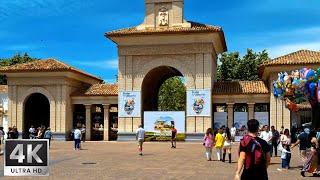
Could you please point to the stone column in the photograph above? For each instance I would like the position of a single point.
(106, 111)
(230, 114)
(88, 121)
(251, 110)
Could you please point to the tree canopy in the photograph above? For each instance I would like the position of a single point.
(234, 67)
(16, 59)
(172, 95)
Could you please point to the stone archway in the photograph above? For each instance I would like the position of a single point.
(36, 112)
(151, 85)
(23, 103)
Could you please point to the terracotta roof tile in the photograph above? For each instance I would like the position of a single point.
(98, 90)
(239, 87)
(48, 65)
(195, 27)
(298, 57)
(3, 89)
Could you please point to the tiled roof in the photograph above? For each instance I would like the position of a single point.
(195, 27)
(49, 65)
(98, 90)
(239, 87)
(3, 89)
(298, 57)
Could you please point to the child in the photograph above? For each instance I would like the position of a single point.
(285, 157)
(208, 143)
(219, 140)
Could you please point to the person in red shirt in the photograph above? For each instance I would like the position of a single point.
(173, 137)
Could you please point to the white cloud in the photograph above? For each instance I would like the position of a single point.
(106, 64)
(279, 50)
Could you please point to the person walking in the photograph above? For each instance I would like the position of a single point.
(173, 137)
(208, 143)
(311, 164)
(140, 136)
(254, 156)
(227, 145)
(48, 135)
(77, 138)
(275, 140)
(266, 135)
(219, 141)
(302, 141)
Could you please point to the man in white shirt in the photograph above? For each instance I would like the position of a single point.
(233, 131)
(266, 135)
(77, 138)
(140, 135)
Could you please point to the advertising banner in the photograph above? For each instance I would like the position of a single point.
(199, 102)
(129, 104)
(220, 119)
(240, 122)
(262, 117)
(158, 125)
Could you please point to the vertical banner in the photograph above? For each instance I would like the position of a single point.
(199, 102)
(240, 123)
(262, 117)
(220, 119)
(129, 104)
(158, 125)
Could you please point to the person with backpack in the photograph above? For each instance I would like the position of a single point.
(254, 156)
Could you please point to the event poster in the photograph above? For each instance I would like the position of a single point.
(158, 125)
(129, 104)
(198, 103)
(240, 122)
(262, 117)
(220, 119)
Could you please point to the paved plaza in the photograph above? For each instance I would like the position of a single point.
(120, 160)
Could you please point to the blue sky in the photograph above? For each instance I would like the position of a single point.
(73, 30)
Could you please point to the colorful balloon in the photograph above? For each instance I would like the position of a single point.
(311, 75)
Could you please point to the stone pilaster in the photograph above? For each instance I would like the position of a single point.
(106, 111)
(230, 114)
(88, 121)
(251, 110)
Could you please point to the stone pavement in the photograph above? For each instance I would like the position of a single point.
(120, 160)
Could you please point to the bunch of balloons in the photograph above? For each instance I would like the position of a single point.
(298, 87)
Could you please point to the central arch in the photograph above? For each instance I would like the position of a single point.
(152, 83)
(36, 112)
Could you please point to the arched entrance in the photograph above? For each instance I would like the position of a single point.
(151, 85)
(36, 112)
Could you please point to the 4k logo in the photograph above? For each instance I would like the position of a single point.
(26, 158)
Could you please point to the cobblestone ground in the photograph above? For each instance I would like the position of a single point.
(117, 160)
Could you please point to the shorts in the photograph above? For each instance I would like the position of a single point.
(140, 142)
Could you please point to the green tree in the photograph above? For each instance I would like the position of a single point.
(234, 67)
(172, 95)
(16, 59)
